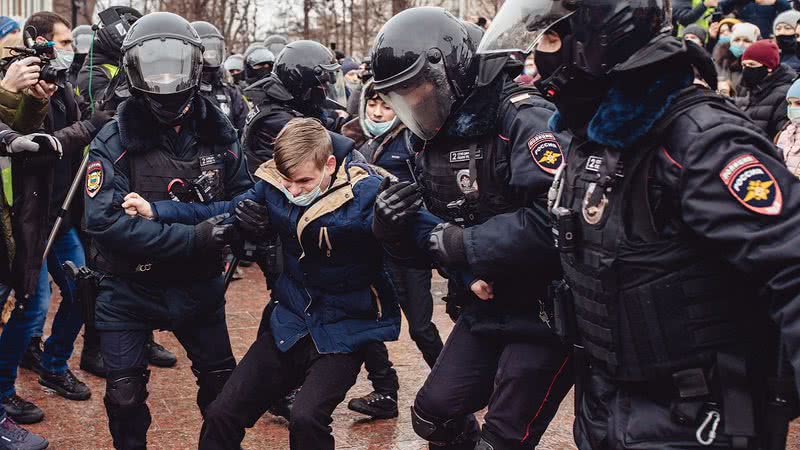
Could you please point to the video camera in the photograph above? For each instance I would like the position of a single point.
(45, 51)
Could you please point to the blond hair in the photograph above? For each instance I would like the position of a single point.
(299, 141)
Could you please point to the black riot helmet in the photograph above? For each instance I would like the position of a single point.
(576, 39)
(311, 74)
(213, 45)
(163, 59)
(115, 21)
(275, 43)
(423, 64)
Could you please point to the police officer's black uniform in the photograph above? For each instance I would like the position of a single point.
(486, 166)
(213, 86)
(258, 64)
(160, 276)
(673, 223)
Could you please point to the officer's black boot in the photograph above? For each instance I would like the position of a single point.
(128, 414)
(32, 358)
(158, 356)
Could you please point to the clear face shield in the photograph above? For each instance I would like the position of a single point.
(520, 24)
(332, 81)
(214, 53)
(163, 66)
(83, 43)
(422, 99)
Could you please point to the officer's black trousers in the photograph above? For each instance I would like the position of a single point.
(264, 376)
(208, 347)
(522, 383)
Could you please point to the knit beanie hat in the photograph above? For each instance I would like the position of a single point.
(794, 90)
(765, 52)
(696, 30)
(789, 17)
(7, 26)
(745, 30)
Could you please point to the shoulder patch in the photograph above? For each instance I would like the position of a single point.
(94, 178)
(546, 152)
(252, 115)
(752, 184)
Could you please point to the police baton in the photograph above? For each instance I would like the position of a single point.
(65, 206)
(231, 271)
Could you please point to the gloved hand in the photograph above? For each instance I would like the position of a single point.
(393, 207)
(253, 220)
(446, 245)
(17, 143)
(211, 235)
(100, 118)
(47, 143)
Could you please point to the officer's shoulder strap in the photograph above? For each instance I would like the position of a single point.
(515, 95)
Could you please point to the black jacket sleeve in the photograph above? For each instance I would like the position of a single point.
(737, 195)
(521, 237)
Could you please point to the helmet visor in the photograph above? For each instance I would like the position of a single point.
(333, 83)
(521, 23)
(214, 53)
(424, 101)
(163, 66)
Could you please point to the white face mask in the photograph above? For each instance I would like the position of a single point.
(63, 59)
(307, 198)
(793, 113)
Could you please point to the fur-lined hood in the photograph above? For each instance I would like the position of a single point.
(138, 128)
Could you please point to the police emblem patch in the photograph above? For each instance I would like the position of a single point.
(546, 152)
(465, 182)
(94, 178)
(753, 185)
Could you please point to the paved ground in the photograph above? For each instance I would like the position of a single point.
(176, 421)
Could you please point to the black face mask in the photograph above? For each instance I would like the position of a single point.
(753, 76)
(547, 63)
(238, 78)
(170, 109)
(787, 44)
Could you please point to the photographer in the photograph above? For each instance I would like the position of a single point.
(45, 178)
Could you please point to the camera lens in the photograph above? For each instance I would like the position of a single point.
(48, 74)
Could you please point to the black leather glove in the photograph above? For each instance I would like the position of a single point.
(211, 235)
(393, 207)
(100, 118)
(446, 245)
(253, 220)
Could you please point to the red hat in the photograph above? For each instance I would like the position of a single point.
(765, 52)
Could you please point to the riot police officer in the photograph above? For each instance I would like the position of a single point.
(213, 86)
(258, 63)
(304, 72)
(672, 218)
(234, 64)
(82, 36)
(485, 161)
(167, 142)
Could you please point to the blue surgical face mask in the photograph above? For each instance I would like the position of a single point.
(304, 199)
(529, 71)
(724, 39)
(793, 113)
(378, 128)
(63, 59)
(737, 50)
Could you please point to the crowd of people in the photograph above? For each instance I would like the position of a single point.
(586, 176)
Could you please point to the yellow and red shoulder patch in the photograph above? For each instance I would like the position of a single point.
(94, 178)
(752, 184)
(546, 152)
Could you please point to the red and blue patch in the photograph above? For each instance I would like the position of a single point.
(752, 184)
(546, 152)
(94, 178)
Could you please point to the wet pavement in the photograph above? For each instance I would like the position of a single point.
(176, 420)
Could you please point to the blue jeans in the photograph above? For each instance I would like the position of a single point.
(24, 323)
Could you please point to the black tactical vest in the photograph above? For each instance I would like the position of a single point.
(257, 156)
(156, 175)
(645, 306)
